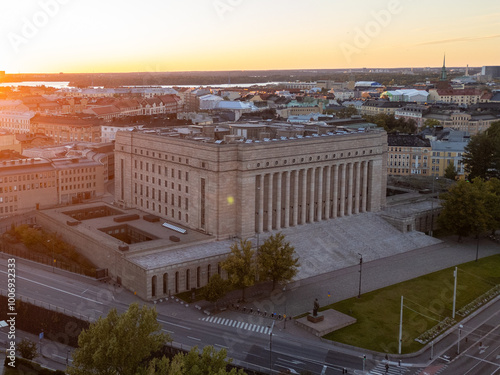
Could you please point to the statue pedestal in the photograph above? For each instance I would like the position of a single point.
(328, 321)
(315, 319)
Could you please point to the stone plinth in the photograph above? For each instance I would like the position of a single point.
(332, 320)
(315, 319)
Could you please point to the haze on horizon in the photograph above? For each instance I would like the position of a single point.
(51, 36)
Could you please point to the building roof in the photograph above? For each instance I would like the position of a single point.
(407, 140)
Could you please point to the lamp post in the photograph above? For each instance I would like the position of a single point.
(284, 295)
(360, 273)
(477, 248)
(52, 257)
(271, 349)
(459, 334)
(432, 206)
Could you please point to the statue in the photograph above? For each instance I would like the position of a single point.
(316, 307)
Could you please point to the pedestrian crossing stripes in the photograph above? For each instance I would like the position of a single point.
(381, 369)
(237, 324)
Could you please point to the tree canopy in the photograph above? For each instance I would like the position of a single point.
(450, 172)
(482, 154)
(391, 124)
(210, 362)
(467, 207)
(240, 265)
(276, 260)
(215, 289)
(119, 344)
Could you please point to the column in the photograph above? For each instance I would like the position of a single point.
(312, 186)
(304, 196)
(335, 190)
(261, 203)
(342, 190)
(319, 215)
(356, 189)
(295, 198)
(327, 191)
(287, 200)
(278, 200)
(364, 194)
(270, 203)
(350, 167)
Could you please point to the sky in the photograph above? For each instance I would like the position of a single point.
(72, 36)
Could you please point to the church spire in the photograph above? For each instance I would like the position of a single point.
(443, 70)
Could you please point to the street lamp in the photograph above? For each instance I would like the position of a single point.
(52, 257)
(459, 334)
(432, 206)
(271, 349)
(284, 290)
(360, 272)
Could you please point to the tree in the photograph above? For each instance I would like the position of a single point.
(276, 260)
(431, 122)
(27, 349)
(391, 124)
(347, 112)
(464, 209)
(119, 344)
(493, 204)
(210, 362)
(240, 266)
(450, 172)
(478, 156)
(215, 289)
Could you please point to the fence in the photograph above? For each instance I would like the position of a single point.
(47, 260)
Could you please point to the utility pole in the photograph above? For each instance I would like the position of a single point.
(360, 271)
(401, 326)
(455, 274)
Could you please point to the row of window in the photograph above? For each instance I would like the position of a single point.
(153, 154)
(158, 208)
(24, 187)
(27, 177)
(145, 166)
(78, 186)
(153, 181)
(326, 157)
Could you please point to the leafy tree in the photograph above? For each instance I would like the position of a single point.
(347, 112)
(240, 266)
(391, 124)
(493, 204)
(119, 344)
(276, 260)
(450, 171)
(431, 122)
(27, 349)
(215, 289)
(478, 156)
(210, 362)
(464, 209)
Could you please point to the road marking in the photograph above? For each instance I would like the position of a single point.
(483, 360)
(222, 346)
(57, 289)
(444, 359)
(166, 330)
(193, 338)
(176, 325)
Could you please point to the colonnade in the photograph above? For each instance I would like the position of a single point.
(310, 194)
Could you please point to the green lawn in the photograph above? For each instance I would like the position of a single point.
(378, 312)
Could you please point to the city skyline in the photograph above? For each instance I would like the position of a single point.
(51, 36)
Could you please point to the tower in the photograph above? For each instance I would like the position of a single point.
(443, 70)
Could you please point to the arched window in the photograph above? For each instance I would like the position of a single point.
(165, 283)
(153, 286)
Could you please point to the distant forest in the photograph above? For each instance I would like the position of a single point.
(234, 77)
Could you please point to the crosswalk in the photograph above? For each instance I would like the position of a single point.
(392, 370)
(237, 324)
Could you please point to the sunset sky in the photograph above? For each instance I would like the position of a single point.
(50, 36)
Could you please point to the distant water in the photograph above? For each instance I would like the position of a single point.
(57, 85)
(60, 85)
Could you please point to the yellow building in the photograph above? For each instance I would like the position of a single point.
(408, 155)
